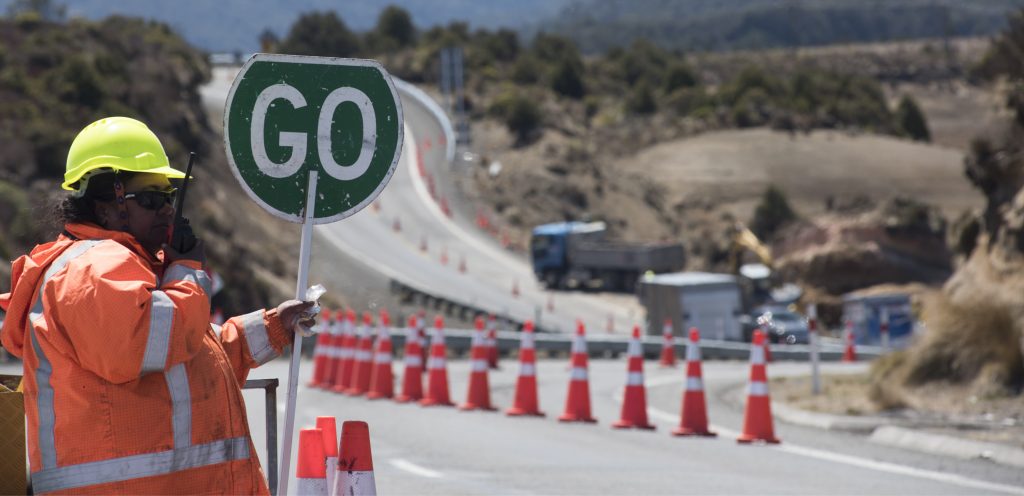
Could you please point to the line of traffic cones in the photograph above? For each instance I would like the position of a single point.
(634, 400)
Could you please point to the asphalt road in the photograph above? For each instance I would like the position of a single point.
(439, 450)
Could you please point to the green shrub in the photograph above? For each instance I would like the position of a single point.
(567, 80)
(641, 99)
(395, 24)
(912, 120)
(771, 214)
(520, 114)
(322, 34)
(679, 75)
(526, 70)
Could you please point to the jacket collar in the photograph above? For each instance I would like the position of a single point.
(93, 231)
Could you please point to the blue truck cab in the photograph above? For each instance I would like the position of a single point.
(549, 247)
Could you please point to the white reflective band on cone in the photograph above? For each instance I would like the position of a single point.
(694, 384)
(757, 355)
(757, 389)
(578, 374)
(364, 356)
(480, 366)
(414, 360)
(382, 357)
(346, 353)
(635, 379)
(331, 463)
(526, 342)
(692, 352)
(634, 348)
(579, 345)
(528, 370)
(435, 363)
(311, 487)
(355, 484)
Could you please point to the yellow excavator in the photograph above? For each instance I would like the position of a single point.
(744, 239)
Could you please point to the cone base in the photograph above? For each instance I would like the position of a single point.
(339, 389)
(403, 398)
(376, 396)
(521, 412)
(667, 365)
(433, 402)
(354, 392)
(470, 406)
(748, 439)
(685, 431)
(631, 425)
(573, 418)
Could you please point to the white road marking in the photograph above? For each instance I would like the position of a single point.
(412, 468)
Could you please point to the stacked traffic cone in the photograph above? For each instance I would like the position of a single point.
(322, 351)
(694, 418)
(310, 471)
(347, 352)
(382, 382)
(577, 404)
(850, 353)
(421, 329)
(668, 346)
(412, 379)
(478, 397)
(437, 370)
(362, 365)
(757, 417)
(492, 342)
(355, 461)
(634, 400)
(526, 385)
(328, 427)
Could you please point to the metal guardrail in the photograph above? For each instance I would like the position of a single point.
(269, 387)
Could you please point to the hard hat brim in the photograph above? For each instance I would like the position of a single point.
(168, 171)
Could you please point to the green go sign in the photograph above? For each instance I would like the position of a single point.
(287, 115)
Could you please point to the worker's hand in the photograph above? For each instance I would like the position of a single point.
(197, 253)
(292, 314)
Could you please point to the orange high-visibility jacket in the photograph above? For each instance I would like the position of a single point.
(128, 388)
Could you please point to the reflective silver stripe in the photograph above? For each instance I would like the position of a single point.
(578, 374)
(634, 348)
(44, 398)
(352, 482)
(181, 401)
(527, 370)
(757, 389)
(179, 272)
(526, 342)
(414, 360)
(579, 345)
(256, 336)
(756, 355)
(635, 379)
(161, 319)
(692, 352)
(138, 466)
(216, 328)
(434, 363)
(694, 384)
(382, 357)
(364, 356)
(479, 366)
(346, 353)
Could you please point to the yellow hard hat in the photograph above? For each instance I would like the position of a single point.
(117, 143)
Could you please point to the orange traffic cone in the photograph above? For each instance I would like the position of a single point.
(382, 381)
(444, 255)
(362, 364)
(551, 303)
(610, 328)
(526, 385)
(577, 404)
(323, 350)
(694, 418)
(757, 417)
(767, 350)
(310, 471)
(850, 353)
(515, 288)
(492, 342)
(634, 400)
(396, 225)
(423, 244)
(328, 427)
(668, 347)
(355, 461)
(462, 264)
(412, 379)
(478, 397)
(437, 370)
(341, 363)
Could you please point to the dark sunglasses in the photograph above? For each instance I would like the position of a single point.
(152, 200)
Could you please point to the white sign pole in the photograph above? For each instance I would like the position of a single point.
(293, 370)
(812, 336)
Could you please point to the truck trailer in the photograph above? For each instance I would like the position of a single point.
(575, 255)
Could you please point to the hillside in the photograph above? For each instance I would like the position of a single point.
(56, 78)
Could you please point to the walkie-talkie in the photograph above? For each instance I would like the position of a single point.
(181, 237)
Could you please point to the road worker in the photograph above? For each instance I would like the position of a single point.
(128, 388)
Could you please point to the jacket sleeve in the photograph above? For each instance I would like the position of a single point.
(253, 339)
(109, 312)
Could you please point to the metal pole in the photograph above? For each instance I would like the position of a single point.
(883, 327)
(272, 436)
(293, 370)
(812, 336)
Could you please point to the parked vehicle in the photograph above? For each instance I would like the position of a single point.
(575, 255)
(781, 325)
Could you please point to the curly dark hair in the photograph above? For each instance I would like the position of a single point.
(99, 187)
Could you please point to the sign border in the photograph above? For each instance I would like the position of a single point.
(306, 59)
